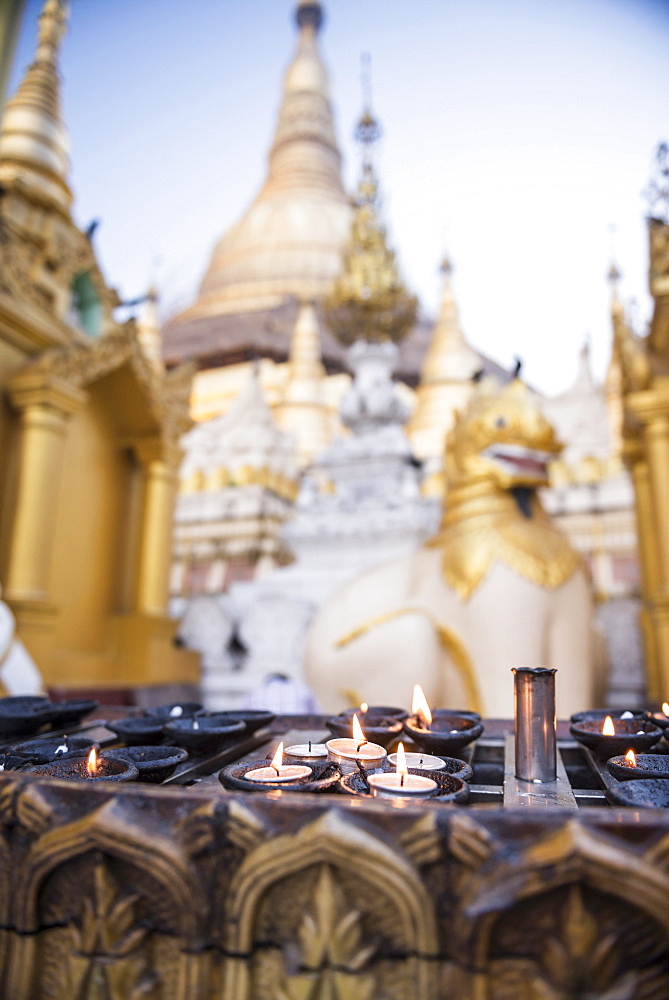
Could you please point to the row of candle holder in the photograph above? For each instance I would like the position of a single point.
(359, 768)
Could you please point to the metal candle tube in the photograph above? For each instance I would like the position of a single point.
(534, 699)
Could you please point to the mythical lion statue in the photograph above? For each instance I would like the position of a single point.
(498, 586)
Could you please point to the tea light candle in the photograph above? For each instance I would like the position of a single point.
(346, 752)
(400, 782)
(425, 761)
(277, 771)
(316, 751)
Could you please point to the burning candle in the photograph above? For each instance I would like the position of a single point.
(630, 757)
(420, 708)
(665, 708)
(364, 707)
(92, 763)
(278, 771)
(608, 729)
(346, 752)
(400, 782)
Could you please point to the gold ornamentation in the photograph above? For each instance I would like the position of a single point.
(331, 948)
(369, 301)
(500, 443)
(106, 958)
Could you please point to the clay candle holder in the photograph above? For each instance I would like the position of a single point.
(204, 734)
(615, 736)
(321, 778)
(642, 765)
(46, 748)
(444, 735)
(153, 763)
(646, 794)
(174, 710)
(71, 712)
(378, 728)
(348, 752)
(253, 718)
(366, 712)
(138, 731)
(615, 713)
(661, 719)
(23, 715)
(449, 788)
(81, 766)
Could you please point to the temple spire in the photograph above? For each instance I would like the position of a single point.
(289, 241)
(33, 141)
(304, 411)
(148, 330)
(445, 383)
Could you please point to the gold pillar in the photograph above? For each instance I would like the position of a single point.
(45, 413)
(650, 570)
(656, 439)
(156, 552)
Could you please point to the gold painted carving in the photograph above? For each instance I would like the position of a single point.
(332, 952)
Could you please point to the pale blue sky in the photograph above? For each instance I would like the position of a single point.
(515, 133)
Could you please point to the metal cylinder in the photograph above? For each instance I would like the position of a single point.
(534, 699)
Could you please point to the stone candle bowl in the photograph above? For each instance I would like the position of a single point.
(445, 735)
(20, 716)
(661, 720)
(71, 712)
(650, 793)
(253, 718)
(631, 734)
(323, 778)
(164, 712)
(377, 728)
(648, 765)
(43, 749)
(615, 713)
(153, 763)
(138, 731)
(73, 768)
(385, 711)
(212, 734)
(449, 787)
(11, 761)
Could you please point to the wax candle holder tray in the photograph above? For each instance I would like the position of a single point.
(324, 778)
(449, 787)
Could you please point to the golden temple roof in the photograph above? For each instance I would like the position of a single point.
(289, 241)
(33, 141)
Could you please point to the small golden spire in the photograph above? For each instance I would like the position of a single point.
(303, 410)
(33, 142)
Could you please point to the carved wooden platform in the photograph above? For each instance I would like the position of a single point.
(175, 893)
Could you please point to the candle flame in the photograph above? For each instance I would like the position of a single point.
(364, 707)
(277, 759)
(608, 729)
(401, 766)
(92, 763)
(419, 705)
(665, 708)
(358, 734)
(630, 757)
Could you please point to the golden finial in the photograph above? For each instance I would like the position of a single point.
(369, 300)
(52, 24)
(309, 13)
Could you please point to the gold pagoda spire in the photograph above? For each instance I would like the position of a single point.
(303, 410)
(148, 330)
(290, 240)
(33, 141)
(446, 374)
